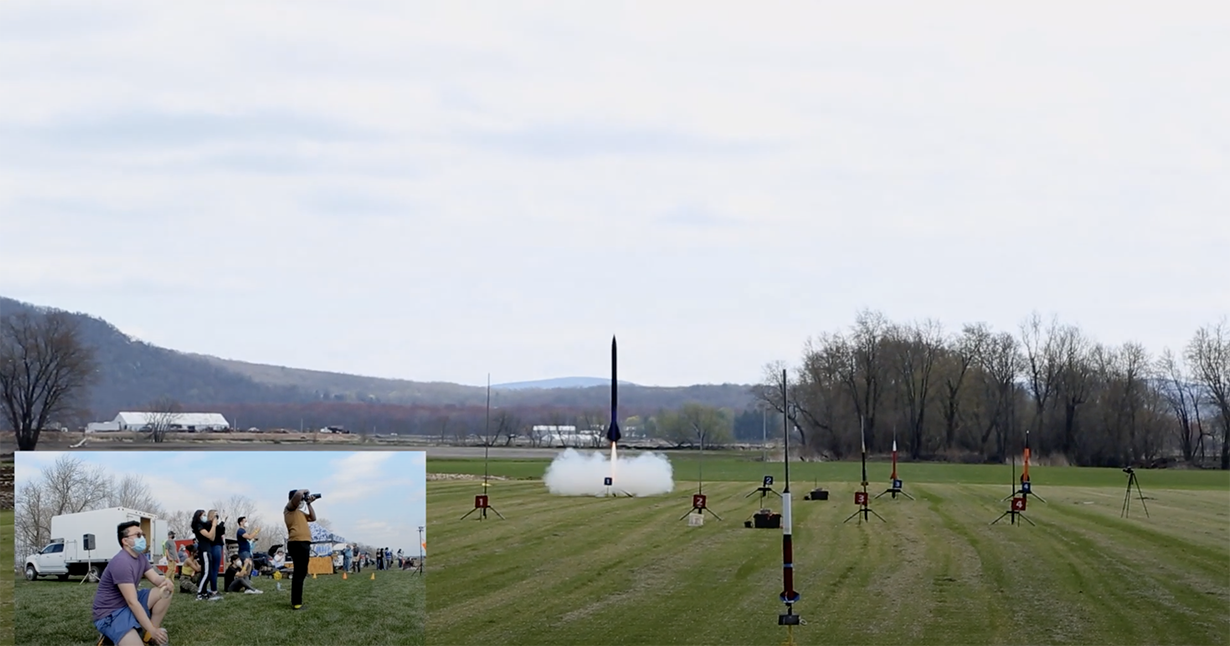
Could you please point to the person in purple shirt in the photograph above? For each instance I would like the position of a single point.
(120, 609)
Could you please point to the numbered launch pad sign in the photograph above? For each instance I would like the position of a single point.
(1018, 504)
(860, 497)
(480, 502)
(698, 501)
(896, 484)
(607, 481)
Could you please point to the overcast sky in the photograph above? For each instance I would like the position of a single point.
(372, 497)
(435, 191)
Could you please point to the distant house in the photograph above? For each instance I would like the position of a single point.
(139, 421)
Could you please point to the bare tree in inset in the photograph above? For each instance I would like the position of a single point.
(65, 487)
(1208, 354)
(45, 370)
(163, 414)
(132, 492)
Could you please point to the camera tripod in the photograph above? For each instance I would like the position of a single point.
(1127, 497)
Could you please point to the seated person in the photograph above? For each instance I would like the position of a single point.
(237, 577)
(121, 611)
(190, 578)
(277, 560)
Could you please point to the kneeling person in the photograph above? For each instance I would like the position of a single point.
(120, 609)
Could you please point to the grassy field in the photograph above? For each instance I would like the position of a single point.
(6, 582)
(389, 610)
(629, 571)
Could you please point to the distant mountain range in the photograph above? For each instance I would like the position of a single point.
(559, 382)
(134, 373)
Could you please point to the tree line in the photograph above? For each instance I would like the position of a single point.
(973, 394)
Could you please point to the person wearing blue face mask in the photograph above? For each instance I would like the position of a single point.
(120, 609)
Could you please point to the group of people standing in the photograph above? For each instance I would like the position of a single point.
(205, 554)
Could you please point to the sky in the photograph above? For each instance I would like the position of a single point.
(376, 498)
(438, 191)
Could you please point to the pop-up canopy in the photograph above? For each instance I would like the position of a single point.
(323, 540)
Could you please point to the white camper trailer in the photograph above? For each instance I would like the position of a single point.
(87, 540)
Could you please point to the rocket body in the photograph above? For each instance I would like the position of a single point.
(894, 460)
(789, 596)
(612, 431)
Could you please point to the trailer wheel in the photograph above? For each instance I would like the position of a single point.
(31, 573)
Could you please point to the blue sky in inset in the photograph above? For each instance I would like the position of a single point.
(374, 497)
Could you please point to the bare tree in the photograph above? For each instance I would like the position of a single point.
(132, 492)
(1208, 354)
(918, 346)
(1042, 361)
(180, 522)
(1000, 362)
(1076, 381)
(866, 376)
(65, 487)
(508, 425)
(163, 414)
(1182, 399)
(962, 352)
(45, 370)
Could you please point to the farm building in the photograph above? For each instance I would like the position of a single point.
(139, 421)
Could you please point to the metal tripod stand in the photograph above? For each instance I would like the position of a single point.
(1127, 497)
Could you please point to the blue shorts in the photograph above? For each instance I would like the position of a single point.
(117, 624)
(243, 556)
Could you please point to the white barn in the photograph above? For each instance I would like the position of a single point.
(140, 421)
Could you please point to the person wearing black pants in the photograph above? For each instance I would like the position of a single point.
(205, 531)
(299, 540)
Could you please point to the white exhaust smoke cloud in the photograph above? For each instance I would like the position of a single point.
(573, 473)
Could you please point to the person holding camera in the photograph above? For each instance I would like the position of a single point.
(299, 539)
(121, 611)
(204, 531)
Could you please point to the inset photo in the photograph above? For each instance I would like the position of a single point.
(201, 547)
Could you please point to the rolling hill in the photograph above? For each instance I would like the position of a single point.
(133, 373)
